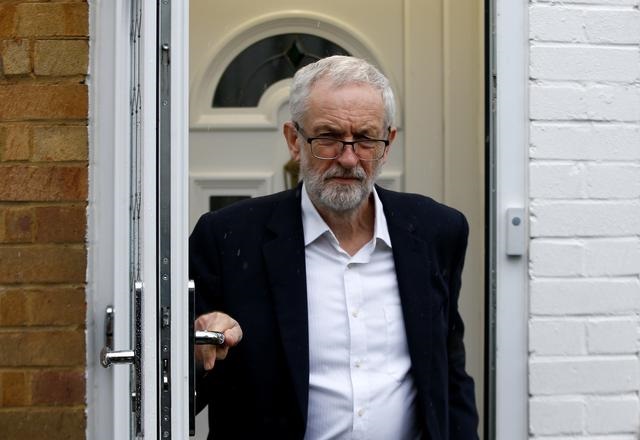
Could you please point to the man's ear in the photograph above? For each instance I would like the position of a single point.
(393, 131)
(291, 135)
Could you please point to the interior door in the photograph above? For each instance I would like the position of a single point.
(432, 52)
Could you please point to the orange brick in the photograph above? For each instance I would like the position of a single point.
(13, 308)
(43, 183)
(50, 19)
(60, 143)
(39, 264)
(58, 387)
(43, 424)
(16, 57)
(43, 101)
(61, 348)
(49, 306)
(56, 307)
(18, 225)
(15, 143)
(7, 20)
(61, 57)
(14, 389)
(56, 224)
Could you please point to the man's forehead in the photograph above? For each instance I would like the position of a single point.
(321, 124)
(330, 107)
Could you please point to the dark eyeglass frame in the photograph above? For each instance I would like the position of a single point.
(344, 143)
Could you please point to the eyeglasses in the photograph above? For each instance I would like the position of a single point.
(329, 148)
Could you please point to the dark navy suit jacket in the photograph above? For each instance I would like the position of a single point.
(248, 260)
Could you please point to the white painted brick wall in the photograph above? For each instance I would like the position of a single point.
(585, 218)
(590, 2)
(557, 415)
(584, 254)
(577, 102)
(612, 335)
(562, 375)
(553, 337)
(584, 141)
(612, 257)
(584, 180)
(553, 61)
(613, 414)
(584, 296)
(577, 24)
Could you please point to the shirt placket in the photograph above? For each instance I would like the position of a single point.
(358, 347)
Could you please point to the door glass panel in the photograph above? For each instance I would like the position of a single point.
(266, 62)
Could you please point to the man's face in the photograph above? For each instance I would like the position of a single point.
(349, 112)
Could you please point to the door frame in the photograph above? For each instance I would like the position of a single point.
(107, 210)
(507, 166)
(108, 213)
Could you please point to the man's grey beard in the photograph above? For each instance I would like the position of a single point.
(339, 198)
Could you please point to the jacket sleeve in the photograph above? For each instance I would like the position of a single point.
(204, 270)
(463, 417)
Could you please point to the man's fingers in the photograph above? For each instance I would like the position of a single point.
(206, 356)
(220, 322)
(233, 335)
(221, 352)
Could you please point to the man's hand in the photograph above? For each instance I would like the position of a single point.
(206, 355)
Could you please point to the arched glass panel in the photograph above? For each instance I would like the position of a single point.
(267, 62)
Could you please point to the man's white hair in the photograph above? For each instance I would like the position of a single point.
(339, 70)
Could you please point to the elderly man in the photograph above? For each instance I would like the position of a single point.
(338, 299)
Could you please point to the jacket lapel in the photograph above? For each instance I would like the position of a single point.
(415, 274)
(414, 279)
(284, 258)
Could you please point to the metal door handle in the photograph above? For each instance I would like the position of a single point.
(109, 356)
(208, 338)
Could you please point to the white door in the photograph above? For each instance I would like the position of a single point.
(432, 52)
(137, 275)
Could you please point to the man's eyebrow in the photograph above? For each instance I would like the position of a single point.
(326, 128)
(366, 131)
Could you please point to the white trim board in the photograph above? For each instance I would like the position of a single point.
(511, 46)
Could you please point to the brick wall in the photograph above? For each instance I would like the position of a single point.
(43, 193)
(585, 219)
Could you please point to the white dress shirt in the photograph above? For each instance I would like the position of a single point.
(360, 386)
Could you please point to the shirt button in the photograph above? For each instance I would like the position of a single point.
(354, 313)
(360, 412)
(358, 363)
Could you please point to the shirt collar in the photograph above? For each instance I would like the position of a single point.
(314, 225)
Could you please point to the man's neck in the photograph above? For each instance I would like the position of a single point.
(353, 229)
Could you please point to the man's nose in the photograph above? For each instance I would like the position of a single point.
(348, 157)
